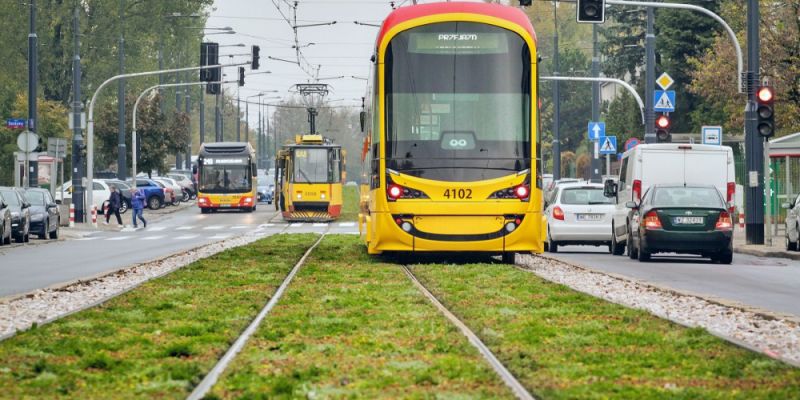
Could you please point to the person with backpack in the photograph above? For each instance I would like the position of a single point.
(137, 203)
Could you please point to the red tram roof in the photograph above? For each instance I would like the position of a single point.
(407, 13)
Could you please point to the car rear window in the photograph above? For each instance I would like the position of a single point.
(687, 197)
(584, 196)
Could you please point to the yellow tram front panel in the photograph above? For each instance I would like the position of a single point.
(313, 201)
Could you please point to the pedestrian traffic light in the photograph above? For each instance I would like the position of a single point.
(662, 129)
(209, 55)
(765, 111)
(592, 11)
(256, 50)
(241, 76)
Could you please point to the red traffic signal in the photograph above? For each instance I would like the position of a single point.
(765, 111)
(765, 95)
(663, 124)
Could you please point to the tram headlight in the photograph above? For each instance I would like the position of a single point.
(406, 226)
(510, 227)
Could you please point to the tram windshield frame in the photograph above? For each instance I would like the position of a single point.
(458, 102)
(316, 165)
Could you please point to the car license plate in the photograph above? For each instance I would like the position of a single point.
(590, 217)
(225, 205)
(688, 220)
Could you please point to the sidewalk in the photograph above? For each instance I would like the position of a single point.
(778, 248)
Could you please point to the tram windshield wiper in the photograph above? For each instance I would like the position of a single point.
(304, 175)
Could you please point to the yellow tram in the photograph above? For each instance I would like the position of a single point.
(309, 175)
(452, 150)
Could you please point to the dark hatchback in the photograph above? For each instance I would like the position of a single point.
(682, 219)
(5, 222)
(45, 215)
(20, 213)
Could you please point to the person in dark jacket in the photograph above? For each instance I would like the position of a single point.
(114, 203)
(137, 203)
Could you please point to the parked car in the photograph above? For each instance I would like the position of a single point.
(177, 190)
(45, 215)
(266, 188)
(792, 224)
(154, 192)
(666, 163)
(20, 213)
(682, 219)
(551, 189)
(100, 194)
(5, 222)
(186, 184)
(579, 214)
(124, 190)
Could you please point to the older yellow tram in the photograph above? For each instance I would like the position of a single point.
(309, 175)
(452, 149)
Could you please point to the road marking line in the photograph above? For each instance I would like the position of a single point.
(220, 237)
(347, 224)
(153, 237)
(296, 225)
(120, 238)
(186, 237)
(240, 227)
(184, 228)
(86, 239)
(320, 225)
(214, 227)
(157, 228)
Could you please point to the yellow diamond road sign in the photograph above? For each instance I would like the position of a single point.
(665, 81)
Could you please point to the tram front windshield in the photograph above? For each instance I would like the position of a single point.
(316, 165)
(225, 175)
(458, 102)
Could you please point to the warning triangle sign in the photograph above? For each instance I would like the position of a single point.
(664, 102)
(608, 146)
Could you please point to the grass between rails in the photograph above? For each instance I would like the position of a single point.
(156, 341)
(564, 345)
(352, 327)
(350, 199)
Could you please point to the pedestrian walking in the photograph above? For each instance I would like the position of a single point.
(114, 203)
(137, 203)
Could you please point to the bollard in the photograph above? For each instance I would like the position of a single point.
(72, 215)
(741, 220)
(94, 216)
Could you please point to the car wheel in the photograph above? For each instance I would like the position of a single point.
(642, 255)
(616, 248)
(790, 245)
(43, 235)
(552, 246)
(154, 203)
(123, 207)
(186, 196)
(54, 233)
(633, 252)
(724, 258)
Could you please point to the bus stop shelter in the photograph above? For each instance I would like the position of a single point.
(784, 161)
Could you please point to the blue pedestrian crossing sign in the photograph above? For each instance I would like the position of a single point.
(664, 100)
(597, 130)
(608, 145)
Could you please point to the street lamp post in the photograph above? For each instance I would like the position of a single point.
(122, 167)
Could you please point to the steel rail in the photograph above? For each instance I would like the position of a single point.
(211, 378)
(508, 378)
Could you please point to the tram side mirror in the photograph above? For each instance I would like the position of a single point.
(281, 163)
(194, 169)
(610, 188)
(362, 118)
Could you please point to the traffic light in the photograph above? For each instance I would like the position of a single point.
(765, 111)
(209, 55)
(256, 57)
(592, 11)
(212, 88)
(525, 3)
(241, 76)
(662, 129)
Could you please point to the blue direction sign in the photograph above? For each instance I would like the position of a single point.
(15, 123)
(597, 130)
(608, 145)
(664, 100)
(712, 135)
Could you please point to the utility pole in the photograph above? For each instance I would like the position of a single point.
(187, 103)
(650, 78)
(754, 143)
(217, 125)
(122, 167)
(238, 116)
(260, 132)
(203, 113)
(594, 166)
(556, 100)
(77, 133)
(32, 167)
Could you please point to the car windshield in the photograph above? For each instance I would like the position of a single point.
(10, 197)
(687, 197)
(584, 196)
(35, 198)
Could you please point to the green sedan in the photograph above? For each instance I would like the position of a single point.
(682, 219)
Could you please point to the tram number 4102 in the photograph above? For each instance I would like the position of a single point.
(458, 194)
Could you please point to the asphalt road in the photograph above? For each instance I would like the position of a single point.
(768, 283)
(30, 267)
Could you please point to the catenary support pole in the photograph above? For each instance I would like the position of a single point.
(754, 144)
(31, 167)
(122, 152)
(556, 100)
(650, 78)
(78, 160)
(202, 114)
(594, 167)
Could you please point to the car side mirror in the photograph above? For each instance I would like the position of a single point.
(52, 205)
(610, 188)
(25, 205)
(787, 206)
(632, 205)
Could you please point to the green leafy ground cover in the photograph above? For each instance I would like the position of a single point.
(566, 345)
(156, 341)
(350, 200)
(352, 327)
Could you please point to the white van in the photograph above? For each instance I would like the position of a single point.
(667, 163)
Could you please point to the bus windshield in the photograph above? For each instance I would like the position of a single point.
(458, 101)
(316, 165)
(225, 175)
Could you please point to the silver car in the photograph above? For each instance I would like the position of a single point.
(578, 214)
(792, 224)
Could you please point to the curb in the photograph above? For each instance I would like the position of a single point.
(767, 253)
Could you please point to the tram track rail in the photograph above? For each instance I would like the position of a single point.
(508, 378)
(211, 378)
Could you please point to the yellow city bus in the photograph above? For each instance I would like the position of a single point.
(226, 177)
(452, 149)
(308, 179)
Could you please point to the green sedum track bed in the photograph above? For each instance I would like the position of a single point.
(562, 344)
(156, 341)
